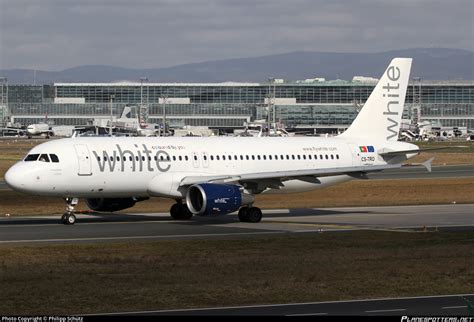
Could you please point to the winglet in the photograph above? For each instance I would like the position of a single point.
(427, 164)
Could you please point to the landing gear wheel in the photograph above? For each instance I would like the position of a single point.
(180, 211)
(243, 217)
(69, 219)
(174, 211)
(254, 215)
(184, 213)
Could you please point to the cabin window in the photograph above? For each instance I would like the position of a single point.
(270, 157)
(98, 159)
(180, 158)
(253, 157)
(304, 156)
(186, 158)
(258, 157)
(195, 158)
(168, 158)
(315, 156)
(217, 157)
(264, 157)
(332, 157)
(327, 157)
(161, 158)
(204, 157)
(241, 157)
(299, 158)
(293, 156)
(136, 158)
(174, 158)
(143, 158)
(32, 157)
(321, 156)
(287, 157)
(310, 157)
(247, 157)
(212, 158)
(43, 158)
(337, 156)
(235, 157)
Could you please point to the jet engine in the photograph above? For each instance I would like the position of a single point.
(111, 204)
(207, 199)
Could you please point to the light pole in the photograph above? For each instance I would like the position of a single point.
(164, 98)
(111, 114)
(143, 111)
(416, 100)
(271, 103)
(4, 98)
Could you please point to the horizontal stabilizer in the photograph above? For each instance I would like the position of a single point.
(393, 153)
(427, 164)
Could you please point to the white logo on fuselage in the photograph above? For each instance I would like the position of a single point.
(138, 158)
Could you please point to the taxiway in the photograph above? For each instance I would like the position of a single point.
(95, 228)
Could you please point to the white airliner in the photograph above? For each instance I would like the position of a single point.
(39, 129)
(218, 175)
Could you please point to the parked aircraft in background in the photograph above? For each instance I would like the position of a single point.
(39, 129)
(210, 176)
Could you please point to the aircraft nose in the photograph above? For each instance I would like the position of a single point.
(14, 178)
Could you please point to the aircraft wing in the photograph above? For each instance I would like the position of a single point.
(273, 177)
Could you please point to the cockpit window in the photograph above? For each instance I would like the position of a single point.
(43, 158)
(32, 157)
(54, 158)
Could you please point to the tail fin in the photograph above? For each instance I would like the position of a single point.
(382, 112)
(126, 113)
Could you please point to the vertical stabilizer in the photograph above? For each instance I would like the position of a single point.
(381, 115)
(126, 113)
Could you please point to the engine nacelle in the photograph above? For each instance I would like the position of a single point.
(206, 199)
(111, 204)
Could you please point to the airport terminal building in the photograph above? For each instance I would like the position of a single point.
(309, 104)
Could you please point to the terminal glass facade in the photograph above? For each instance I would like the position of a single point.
(332, 104)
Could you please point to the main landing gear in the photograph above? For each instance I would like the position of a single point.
(180, 211)
(68, 217)
(250, 214)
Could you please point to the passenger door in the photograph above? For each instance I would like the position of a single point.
(83, 159)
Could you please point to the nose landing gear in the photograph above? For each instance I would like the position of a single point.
(68, 218)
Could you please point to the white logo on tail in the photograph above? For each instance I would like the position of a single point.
(393, 74)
